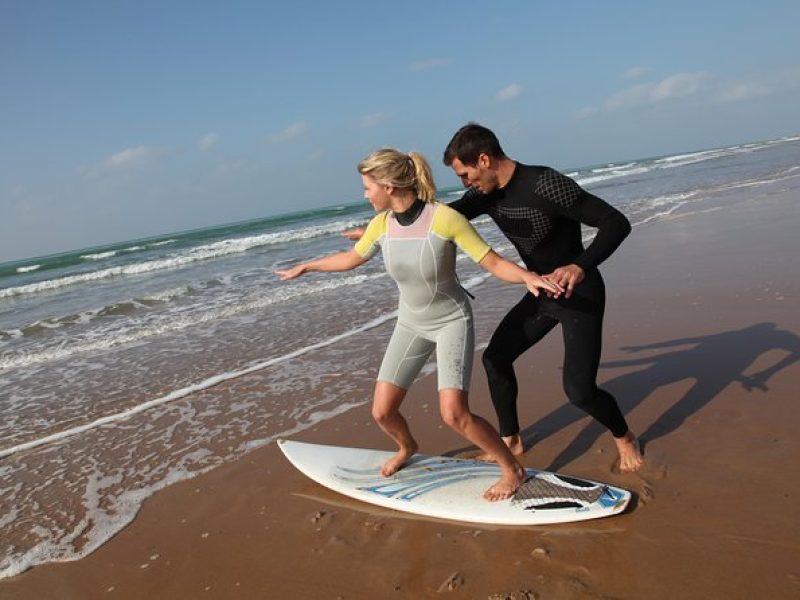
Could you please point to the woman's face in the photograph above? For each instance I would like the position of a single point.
(376, 193)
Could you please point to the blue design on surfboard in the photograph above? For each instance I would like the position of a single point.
(416, 478)
(541, 491)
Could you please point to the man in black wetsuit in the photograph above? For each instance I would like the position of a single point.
(541, 211)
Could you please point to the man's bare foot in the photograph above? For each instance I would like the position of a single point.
(514, 443)
(630, 454)
(505, 487)
(394, 464)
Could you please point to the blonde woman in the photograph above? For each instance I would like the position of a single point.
(418, 236)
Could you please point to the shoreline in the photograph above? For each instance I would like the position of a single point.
(701, 350)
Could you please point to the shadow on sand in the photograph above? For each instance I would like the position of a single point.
(713, 362)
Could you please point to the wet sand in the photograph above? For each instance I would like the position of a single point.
(701, 350)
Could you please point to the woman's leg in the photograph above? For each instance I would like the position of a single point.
(386, 412)
(454, 407)
(405, 355)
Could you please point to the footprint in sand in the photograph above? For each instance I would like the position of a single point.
(452, 583)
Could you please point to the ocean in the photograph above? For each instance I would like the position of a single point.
(128, 367)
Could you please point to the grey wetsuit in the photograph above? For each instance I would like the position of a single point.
(434, 310)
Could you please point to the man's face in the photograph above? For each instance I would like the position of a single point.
(479, 176)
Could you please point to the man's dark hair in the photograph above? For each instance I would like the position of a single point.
(470, 142)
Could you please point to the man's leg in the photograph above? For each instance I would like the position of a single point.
(520, 329)
(583, 333)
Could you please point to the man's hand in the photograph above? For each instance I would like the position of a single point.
(566, 277)
(354, 234)
(535, 283)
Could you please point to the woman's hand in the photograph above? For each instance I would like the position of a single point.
(354, 234)
(339, 261)
(291, 273)
(535, 284)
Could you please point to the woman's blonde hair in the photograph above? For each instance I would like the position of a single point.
(402, 171)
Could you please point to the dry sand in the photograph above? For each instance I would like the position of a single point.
(701, 350)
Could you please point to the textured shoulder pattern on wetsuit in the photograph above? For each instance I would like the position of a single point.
(558, 188)
(525, 226)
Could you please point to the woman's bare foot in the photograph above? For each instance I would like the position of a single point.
(630, 454)
(505, 487)
(394, 464)
(514, 443)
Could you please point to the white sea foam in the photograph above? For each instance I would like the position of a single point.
(99, 255)
(613, 174)
(688, 156)
(90, 314)
(106, 514)
(613, 168)
(191, 389)
(28, 268)
(668, 162)
(205, 252)
(135, 333)
(100, 523)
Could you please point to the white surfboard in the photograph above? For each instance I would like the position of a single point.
(452, 488)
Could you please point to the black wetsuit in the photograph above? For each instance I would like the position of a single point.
(540, 211)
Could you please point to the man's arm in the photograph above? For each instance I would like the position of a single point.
(612, 228)
(470, 204)
(572, 201)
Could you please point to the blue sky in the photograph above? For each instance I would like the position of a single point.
(122, 120)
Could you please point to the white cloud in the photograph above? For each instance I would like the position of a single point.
(508, 93)
(587, 111)
(431, 63)
(680, 85)
(763, 84)
(702, 87)
(129, 156)
(293, 131)
(25, 207)
(124, 159)
(208, 141)
(635, 72)
(632, 96)
(372, 120)
(231, 166)
(743, 91)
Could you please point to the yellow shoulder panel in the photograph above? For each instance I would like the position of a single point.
(367, 246)
(452, 225)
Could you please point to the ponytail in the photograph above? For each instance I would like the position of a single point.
(426, 188)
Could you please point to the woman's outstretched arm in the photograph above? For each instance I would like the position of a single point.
(341, 261)
(513, 273)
